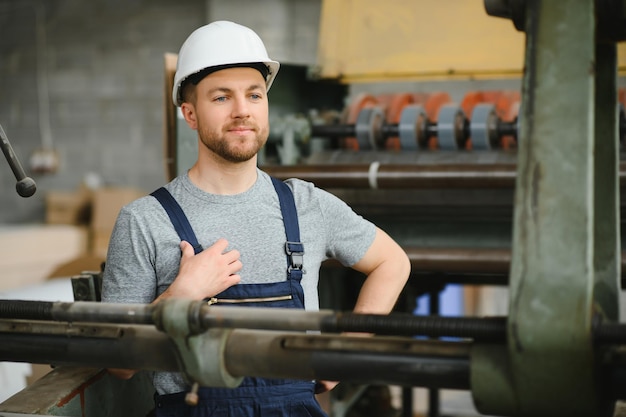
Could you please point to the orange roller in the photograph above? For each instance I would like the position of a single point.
(471, 99)
(395, 104)
(507, 109)
(506, 105)
(501, 99)
(420, 98)
(432, 103)
(384, 99)
(359, 103)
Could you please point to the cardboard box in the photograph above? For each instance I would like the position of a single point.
(31, 252)
(68, 207)
(106, 204)
(100, 243)
(78, 265)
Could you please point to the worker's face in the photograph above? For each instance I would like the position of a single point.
(230, 113)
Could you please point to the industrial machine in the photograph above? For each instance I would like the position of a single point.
(525, 184)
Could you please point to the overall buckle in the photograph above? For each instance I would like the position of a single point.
(295, 252)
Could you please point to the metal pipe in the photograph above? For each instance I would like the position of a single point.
(113, 346)
(486, 260)
(25, 186)
(492, 329)
(392, 176)
(248, 353)
(384, 360)
(342, 130)
(356, 359)
(396, 324)
(204, 317)
(79, 311)
(407, 176)
(502, 128)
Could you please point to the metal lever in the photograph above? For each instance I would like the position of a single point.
(25, 185)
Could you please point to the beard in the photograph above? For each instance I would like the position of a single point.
(233, 150)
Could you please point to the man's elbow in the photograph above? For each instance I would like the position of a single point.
(403, 264)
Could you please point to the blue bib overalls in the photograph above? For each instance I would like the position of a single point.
(255, 397)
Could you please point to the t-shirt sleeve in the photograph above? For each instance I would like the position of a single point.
(348, 234)
(129, 273)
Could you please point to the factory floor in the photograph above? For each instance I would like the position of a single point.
(386, 401)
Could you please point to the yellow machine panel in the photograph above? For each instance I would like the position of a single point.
(370, 40)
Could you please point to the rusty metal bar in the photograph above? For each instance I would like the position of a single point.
(395, 361)
(488, 261)
(402, 176)
(98, 345)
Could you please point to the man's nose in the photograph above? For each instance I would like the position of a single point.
(241, 107)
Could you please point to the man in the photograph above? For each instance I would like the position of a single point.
(240, 235)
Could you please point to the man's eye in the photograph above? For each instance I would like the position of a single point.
(220, 99)
(255, 96)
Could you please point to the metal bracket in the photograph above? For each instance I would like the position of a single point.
(202, 354)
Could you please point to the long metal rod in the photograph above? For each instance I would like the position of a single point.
(25, 185)
(392, 176)
(85, 315)
(384, 360)
(395, 361)
(115, 346)
(407, 176)
(205, 317)
(83, 311)
(399, 361)
(392, 129)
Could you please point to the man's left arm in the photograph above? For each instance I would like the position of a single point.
(387, 268)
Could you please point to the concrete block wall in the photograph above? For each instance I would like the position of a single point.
(103, 61)
(104, 65)
(289, 28)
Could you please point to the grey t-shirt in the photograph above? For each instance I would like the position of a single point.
(144, 251)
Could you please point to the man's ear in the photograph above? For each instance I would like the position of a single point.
(189, 113)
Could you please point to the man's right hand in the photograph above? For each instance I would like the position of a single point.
(208, 273)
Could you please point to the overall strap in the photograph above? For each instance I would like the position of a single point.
(178, 218)
(293, 247)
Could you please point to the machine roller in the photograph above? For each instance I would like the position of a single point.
(453, 129)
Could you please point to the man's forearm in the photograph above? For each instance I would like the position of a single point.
(383, 286)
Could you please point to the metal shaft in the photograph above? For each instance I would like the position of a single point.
(267, 354)
(113, 346)
(357, 359)
(204, 317)
(405, 176)
(25, 185)
(502, 128)
(396, 176)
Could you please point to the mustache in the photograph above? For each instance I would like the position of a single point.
(238, 125)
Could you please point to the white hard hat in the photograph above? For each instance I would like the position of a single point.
(220, 43)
